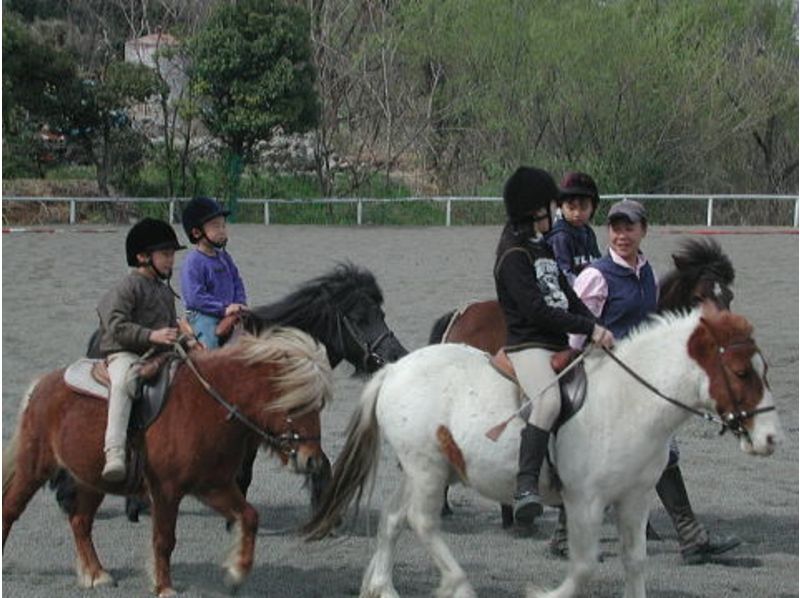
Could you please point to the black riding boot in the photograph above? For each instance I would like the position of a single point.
(697, 545)
(532, 450)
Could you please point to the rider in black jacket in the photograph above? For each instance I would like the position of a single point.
(540, 309)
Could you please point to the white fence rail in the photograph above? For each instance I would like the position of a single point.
(360, 201)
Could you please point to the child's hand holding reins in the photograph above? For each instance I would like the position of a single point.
(164, 336)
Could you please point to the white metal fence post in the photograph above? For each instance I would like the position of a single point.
(449, 208)
(171, 212)
(358, 213)
(72, 211)
(796, 212)
(266, 213)
(710, 211)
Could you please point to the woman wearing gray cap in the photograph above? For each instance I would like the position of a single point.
(621, 290)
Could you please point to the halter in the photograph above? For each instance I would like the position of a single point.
(733, 420)
(369, 357)
(286, 442)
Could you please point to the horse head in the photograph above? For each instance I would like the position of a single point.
(723, 346)
(702, 271)
(289, 372)
(343, 310)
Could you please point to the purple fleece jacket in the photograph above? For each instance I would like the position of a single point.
(210, 283)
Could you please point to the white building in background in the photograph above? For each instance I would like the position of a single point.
(154, 51)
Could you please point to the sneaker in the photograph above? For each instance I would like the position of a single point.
(702, 553)
(527, 507)
(114, 470)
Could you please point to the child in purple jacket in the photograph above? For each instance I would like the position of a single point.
(210, 281)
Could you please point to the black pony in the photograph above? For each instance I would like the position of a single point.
(341, 309)
(702, 271)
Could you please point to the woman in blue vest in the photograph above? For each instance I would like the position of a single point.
(621, 290)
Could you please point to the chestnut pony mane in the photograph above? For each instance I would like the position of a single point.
(303, 378)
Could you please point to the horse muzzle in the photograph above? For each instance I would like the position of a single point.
(307, 462)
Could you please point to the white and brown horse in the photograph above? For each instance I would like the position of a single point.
(435, 406)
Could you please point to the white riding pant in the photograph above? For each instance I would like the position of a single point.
(534, 372)
(119, 402)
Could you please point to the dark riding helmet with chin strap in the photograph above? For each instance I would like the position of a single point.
(199, 211)
(578, 184)
(149, 235)
(527, 191)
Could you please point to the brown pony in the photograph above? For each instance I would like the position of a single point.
(268, 388)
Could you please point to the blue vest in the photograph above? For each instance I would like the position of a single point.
(630, 298)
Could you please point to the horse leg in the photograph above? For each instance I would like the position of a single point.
(230, 503)
(81, 519)
(319, 482)
(424, 519)
(165, 504)
(631, 522)
(584, 520)
(245, 474)
(377, 581)
(27, 465)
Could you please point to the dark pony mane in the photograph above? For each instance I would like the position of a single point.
(314, 306)
(695, 260)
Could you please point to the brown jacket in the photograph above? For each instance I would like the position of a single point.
(131, 310)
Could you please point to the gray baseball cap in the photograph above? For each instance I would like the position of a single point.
(629, 210)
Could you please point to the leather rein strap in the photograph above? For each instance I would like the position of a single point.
(283, 442)
(733, 421)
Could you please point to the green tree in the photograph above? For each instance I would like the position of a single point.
(33, 77)
(94, 113)
(252, 72)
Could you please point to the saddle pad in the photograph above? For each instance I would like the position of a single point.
(78, 376)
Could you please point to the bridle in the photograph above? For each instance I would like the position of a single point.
(370, 359)
(733, 420)
(286, 442)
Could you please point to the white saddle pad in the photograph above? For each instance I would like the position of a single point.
(78, 376)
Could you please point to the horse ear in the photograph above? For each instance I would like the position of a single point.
(680, 261)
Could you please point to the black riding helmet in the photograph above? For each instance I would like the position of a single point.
(199, 211)
(526, 191)
(149, 235)
(578, 184)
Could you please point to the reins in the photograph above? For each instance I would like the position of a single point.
(283, 442)
(733, 421)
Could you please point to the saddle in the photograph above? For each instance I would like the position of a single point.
(572, 385)
(89, 377)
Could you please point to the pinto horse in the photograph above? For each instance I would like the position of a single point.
(435, 406)
(269, 388)
(702, 271)
(342, 309)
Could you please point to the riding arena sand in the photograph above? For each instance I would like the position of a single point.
(51, 285)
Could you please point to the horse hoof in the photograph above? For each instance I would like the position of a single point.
(234, 578)
(88, 580)
(166, 593)
(103, 579)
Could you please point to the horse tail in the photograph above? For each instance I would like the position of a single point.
(440, 327)
(12, 448)
(355, 466)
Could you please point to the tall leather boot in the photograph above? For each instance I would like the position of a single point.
(532, 450)
(697, 545)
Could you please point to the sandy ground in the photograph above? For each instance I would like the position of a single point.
(51, 283)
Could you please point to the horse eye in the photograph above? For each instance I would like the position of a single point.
(742, 373)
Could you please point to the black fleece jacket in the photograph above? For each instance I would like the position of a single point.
(539, 304)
